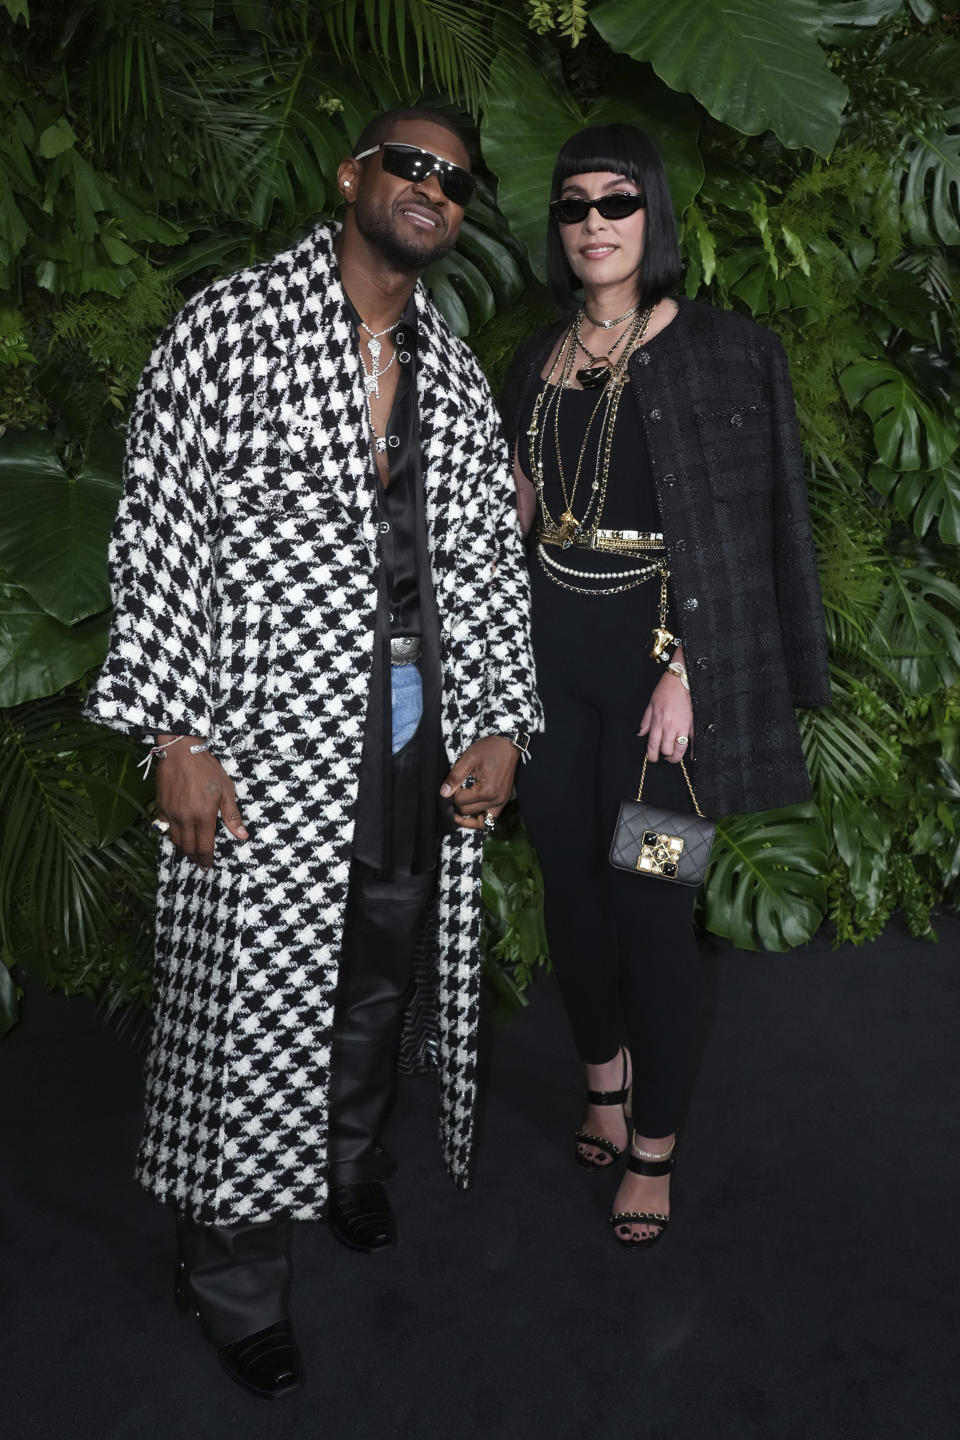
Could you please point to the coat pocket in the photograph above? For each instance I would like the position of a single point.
(245, 651)
(737, 443)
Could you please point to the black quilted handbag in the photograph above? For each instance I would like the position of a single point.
(667, 844)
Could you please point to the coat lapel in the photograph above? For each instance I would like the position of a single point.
(444, 432)
(312, 387)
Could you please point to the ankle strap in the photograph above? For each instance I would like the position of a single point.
(608, 1097)
(643, 1165)
(612, 1097)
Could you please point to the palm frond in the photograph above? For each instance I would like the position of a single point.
(60, 884)
(847, 755)
(450, 44)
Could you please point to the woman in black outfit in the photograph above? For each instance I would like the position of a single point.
(675, 592)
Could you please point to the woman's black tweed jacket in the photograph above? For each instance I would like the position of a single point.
(714, 396)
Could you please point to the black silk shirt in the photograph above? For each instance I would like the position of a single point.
(398, 806)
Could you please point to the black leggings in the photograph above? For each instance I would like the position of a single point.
(623, 946)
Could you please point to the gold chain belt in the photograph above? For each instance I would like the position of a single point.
(613, 542)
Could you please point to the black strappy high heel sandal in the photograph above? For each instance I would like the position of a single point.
(600, 1142)
(643, 1165)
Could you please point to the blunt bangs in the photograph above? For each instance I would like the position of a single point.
(627, 151)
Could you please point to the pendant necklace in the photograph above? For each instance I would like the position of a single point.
(598, 372)
(373, 376)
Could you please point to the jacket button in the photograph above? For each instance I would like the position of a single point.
(383, 527)
(644, 357)
(691, 604)
(736, 419)
(656, 414)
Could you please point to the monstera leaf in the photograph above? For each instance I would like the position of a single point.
(924, 498)
(527, 117)
(765, 888)
(754, 64)
(931, 202)
(908, 433)
(468, 284)
(917, 627)
(863, 843)
(54, 526)
(931, 175)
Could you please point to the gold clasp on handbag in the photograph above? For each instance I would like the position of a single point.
(659, 854)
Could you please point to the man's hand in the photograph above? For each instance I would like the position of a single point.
(488, 766)
(192, 790)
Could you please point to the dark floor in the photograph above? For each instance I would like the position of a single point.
(807, 1288)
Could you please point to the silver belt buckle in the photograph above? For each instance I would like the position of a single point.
(404, 649)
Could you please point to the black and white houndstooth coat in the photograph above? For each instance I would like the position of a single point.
(244, 564)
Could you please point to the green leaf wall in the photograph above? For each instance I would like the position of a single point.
(814, 157)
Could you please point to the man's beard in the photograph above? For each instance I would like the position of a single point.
(376, 227)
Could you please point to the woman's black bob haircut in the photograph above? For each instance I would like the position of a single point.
(627, 151)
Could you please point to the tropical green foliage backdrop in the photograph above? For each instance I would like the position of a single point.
(147, 146)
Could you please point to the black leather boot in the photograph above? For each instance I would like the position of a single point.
(379, 942)
(236, 1280)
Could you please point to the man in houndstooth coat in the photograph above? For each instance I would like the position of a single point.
(321, 602)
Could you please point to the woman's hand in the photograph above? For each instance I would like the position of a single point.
(667, 719)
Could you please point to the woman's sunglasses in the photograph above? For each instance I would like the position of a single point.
(409, 162)
(572, 209)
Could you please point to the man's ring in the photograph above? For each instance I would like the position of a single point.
(683, 739)
(469, 782)
(161, 826)
(489, 823)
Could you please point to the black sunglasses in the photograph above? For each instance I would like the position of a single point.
(573, 209)
(409, 162)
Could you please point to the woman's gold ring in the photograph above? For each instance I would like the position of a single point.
(683, 739)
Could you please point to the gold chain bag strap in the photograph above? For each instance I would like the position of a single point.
(667, 844)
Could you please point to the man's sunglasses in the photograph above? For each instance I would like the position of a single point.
(409, 162)
(573, 209)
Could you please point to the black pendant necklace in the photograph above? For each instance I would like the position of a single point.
(594, 377)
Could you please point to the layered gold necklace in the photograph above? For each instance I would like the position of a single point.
(610, 376)
(569, 528)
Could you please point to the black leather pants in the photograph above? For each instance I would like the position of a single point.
(376, 975)
(239, 1275)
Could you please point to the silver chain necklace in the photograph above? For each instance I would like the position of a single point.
(371, 377)
(609, 324)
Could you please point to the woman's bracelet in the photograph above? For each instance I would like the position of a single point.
(675, 669)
